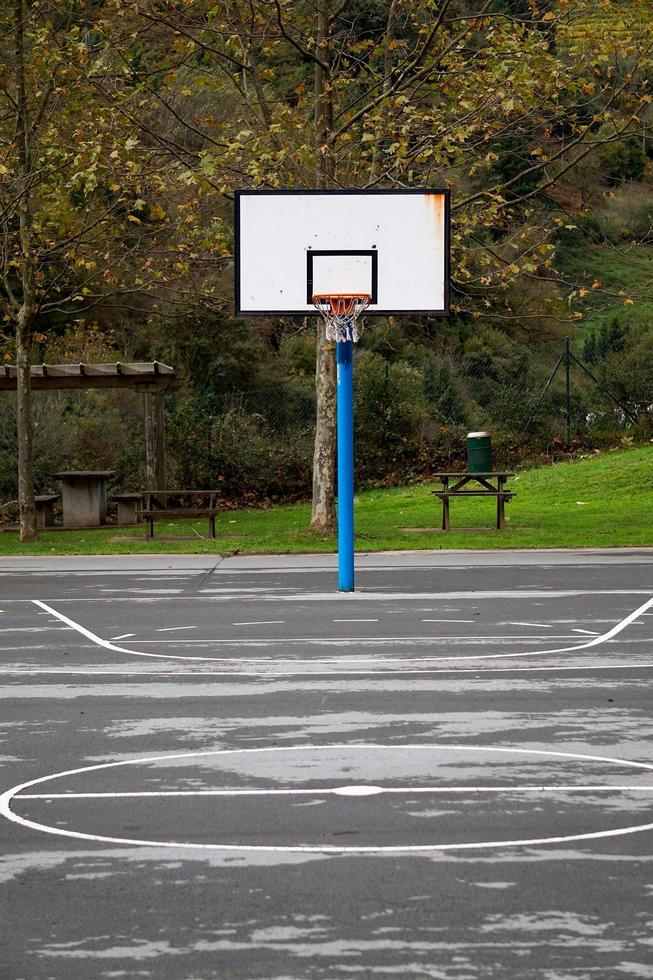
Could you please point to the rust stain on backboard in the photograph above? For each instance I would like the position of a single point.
(435, 204)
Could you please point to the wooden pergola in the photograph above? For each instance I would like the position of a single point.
(150, 377)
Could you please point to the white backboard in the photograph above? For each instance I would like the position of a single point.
(290, 245)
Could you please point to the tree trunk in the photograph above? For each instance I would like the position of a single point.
(154, 425)
(27, 307)
(24, 425)
(323, 517)
(324, 457)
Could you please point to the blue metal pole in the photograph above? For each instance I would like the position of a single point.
(345, 417)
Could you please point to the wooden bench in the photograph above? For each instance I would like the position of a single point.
(164, 504)
(487, 489)
(44, 504)
(129, 505)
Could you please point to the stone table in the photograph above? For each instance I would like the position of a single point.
(84, 497)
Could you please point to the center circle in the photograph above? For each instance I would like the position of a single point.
(276, 788)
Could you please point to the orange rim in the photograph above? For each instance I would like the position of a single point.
(342, 304)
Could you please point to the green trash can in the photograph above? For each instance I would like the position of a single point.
(479, 452)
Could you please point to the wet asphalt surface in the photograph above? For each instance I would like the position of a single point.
(217, 769)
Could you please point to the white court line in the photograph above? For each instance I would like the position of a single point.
(363, 790)
(123, 636)
(169, 629)
(37, 629)
(9, 795)
(587, 632)
(263, 622)
(621, 625)
(453, 621)
(546, 626)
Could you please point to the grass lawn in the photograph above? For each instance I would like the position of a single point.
(600, 502)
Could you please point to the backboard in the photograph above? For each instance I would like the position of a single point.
(390, 244)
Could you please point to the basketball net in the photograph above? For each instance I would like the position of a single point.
(340, 312)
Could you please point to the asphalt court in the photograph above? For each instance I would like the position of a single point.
(438, 772)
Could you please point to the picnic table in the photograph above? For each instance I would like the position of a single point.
(490, 485)
(158, 504)
(84, 497)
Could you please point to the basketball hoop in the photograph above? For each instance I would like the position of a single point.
(340, 312)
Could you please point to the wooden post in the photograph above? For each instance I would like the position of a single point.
(153, 419)
(159, 441)
(445, 504)
(148, 422)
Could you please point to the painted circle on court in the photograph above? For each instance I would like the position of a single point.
(302, 764)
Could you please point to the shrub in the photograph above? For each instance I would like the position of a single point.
(623, 159)
(389, 411)
(628, 374)
(53, 441)
(610, 339)
(237, 451)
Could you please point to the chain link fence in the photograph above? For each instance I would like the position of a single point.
(539, 403)
(539, 398)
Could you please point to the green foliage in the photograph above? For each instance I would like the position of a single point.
(624, 159)
(609, 339)
(209, 349)
(53, 442)
(442, 391)
(368, 17)
(631, 371)
(388, 414)
(513, 163)
(624, 368)
(522, 9)
(75, 430)
(237, 451)
(387, 337)
(297, 355)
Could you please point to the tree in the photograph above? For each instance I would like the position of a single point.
(82, 225)
(501, 100)
(23, 305)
